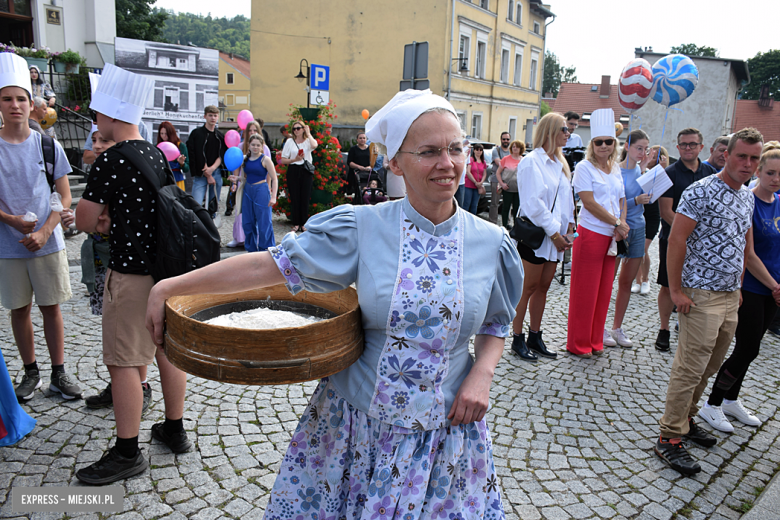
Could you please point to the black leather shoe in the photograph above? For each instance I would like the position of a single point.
(698, 435)
(662, 341)
(536, 343)
(521, 349)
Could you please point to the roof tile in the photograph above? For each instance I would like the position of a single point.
(765, 120)
(580, 98)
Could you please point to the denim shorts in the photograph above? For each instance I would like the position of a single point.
(636, 243)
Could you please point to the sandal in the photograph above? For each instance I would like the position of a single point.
(586, 355)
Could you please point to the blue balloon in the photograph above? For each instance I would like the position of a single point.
(674, 79)
(234, 157)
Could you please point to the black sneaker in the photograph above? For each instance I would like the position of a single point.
(521, 349)
(178, 442)
(536, 344)
(673, 452)
(662, 341)
(102, 400)
(105, 399)
(699, 435)
(112, 467)
(775, 330)
(65, 385)
(31, 381)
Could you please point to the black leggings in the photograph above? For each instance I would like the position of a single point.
(755, 316)
(299, 182)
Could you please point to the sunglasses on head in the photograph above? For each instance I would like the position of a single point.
(608, 142)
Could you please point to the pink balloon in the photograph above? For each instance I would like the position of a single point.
(244, 117)
(169, 150)
(232, 138)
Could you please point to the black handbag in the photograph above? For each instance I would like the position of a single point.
(622, 246)
(309, 167)
(528, 233)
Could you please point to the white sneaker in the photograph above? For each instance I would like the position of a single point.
(645, 288)
(608, 340)
(740, 413)
(233, 243)
(714, 416)
(634, 288)
(620, 338)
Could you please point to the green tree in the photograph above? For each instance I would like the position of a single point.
(555, 74)
(225, 34)
(764, 69)
(137, 19)
(545, 109)
(691, 49)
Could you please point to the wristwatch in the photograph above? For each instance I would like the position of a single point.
(617, 223)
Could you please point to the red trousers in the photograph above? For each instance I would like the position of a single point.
(592, 276)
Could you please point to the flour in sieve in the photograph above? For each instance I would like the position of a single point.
(263, 319)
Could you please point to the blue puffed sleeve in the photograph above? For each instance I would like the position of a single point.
(325, 257)
(506, 291)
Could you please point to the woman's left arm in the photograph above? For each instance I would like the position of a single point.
(471, 401)
(273, 183)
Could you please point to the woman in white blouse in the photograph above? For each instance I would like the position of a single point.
(297, 149)
(546, 201)
(599, 184)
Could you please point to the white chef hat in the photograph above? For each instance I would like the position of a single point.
(602, 123)
(14, 72)
(390, 124)
(94, 79)
(121, 94)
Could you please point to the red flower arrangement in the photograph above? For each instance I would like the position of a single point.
(328, 177)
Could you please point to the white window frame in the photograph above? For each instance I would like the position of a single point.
(464, 51)
(512, 127)
(485, 4)
(462, 117)
(534, 71)
(504, 77)
(519, 13)
(518, 76)
(480, 71)
(537, 28)
(230, 78)
(510, 13)
(476, 129)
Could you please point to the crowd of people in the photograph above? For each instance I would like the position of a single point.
(404, 429)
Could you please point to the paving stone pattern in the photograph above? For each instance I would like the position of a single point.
(573, 438)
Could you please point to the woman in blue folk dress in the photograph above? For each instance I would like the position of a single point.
(259, 196)
(401, 433)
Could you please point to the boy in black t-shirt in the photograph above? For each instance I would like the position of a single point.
(117, 194)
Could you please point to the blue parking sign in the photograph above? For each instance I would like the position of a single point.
(320, 77)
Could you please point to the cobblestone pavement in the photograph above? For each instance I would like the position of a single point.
(572, 438)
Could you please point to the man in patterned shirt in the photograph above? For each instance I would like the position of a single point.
(705, 261)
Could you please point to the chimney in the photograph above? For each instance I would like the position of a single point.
(548, 95)
(231, 55)
(604, 90)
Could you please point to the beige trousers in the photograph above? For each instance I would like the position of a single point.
(705, 336)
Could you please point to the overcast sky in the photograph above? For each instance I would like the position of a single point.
(599, 37)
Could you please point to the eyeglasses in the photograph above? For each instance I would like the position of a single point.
(297, 128)
(689, 146)
(429, 155)
(565, 130)
(608, 142)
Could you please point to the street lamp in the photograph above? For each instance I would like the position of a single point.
(464, 68)
(301, 76)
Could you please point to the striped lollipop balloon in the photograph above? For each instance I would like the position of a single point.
(674, 79)
(635, 84)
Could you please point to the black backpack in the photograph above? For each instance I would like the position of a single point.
(49, 155)
(187, 238)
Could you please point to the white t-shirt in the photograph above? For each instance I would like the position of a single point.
(23, 188)
(290, 150)
(607, 192)
(574, 141)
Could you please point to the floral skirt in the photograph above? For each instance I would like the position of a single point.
(343, 464)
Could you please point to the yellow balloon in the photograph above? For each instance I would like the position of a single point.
(49, 119)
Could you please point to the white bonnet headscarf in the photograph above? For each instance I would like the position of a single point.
(391, 123)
